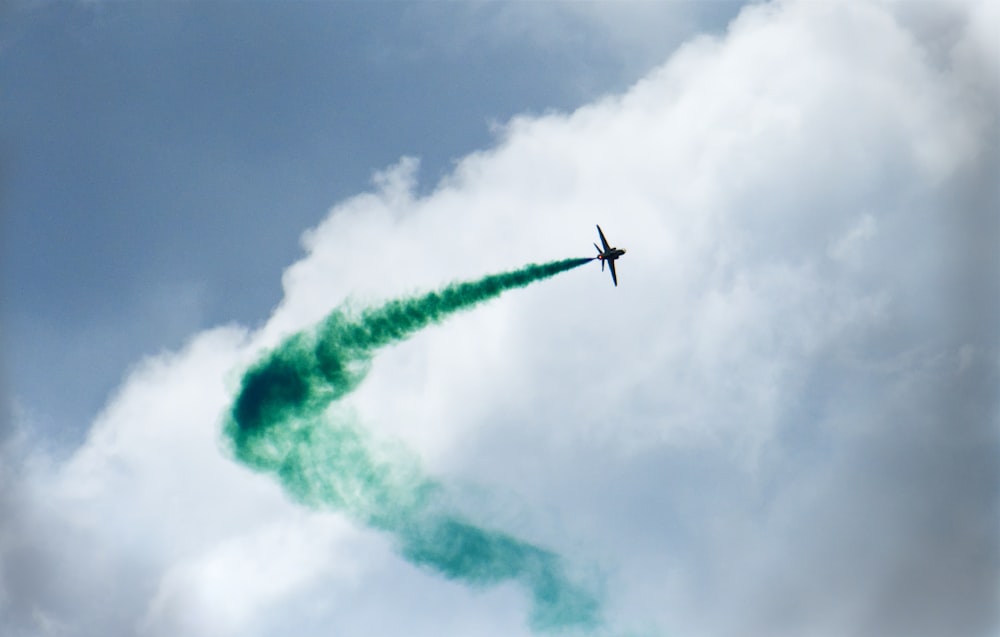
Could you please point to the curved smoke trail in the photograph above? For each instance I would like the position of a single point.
(280, 424)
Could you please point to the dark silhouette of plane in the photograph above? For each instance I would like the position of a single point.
(608, 254)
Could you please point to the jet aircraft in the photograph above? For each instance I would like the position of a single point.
(608, 254)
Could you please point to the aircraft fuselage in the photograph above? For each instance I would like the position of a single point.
(611, 254)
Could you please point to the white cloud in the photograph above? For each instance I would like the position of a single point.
(221, 590)
(781, 422)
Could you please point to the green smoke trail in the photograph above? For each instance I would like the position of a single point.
(282, 423)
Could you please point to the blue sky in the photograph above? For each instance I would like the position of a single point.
(783, 421)
(163, 158)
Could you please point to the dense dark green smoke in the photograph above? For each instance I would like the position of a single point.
(282, 423)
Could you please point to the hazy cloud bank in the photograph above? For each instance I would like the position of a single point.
(782, 422)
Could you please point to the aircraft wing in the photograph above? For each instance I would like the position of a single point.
(614, 276)
(604, 241)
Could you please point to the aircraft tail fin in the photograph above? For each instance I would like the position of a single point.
(599, 253)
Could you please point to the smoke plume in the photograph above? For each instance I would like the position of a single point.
(283, 423)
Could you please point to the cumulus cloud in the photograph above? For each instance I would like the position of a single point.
(782, 422)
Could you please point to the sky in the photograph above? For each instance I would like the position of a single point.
(783, 421)
(163, 156)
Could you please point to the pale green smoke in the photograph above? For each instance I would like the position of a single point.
(280, 424)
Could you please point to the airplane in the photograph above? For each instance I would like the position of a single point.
(608, 254)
